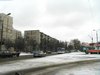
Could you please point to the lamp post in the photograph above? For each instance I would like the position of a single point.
(96, 35)
(1, 29)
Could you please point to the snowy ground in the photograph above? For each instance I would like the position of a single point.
(45, 61)
(23, 54)
(92, 68)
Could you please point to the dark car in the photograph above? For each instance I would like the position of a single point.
(7, 53)
(38, 53)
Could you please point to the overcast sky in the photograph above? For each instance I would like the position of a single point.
(62, 19)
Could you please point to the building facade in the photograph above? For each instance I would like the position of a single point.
(32, 34)
(6, 28)
(37, 35)
(41, 38)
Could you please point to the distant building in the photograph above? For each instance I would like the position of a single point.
(32, 34)
(85, 44)
(40, 38)
(16, 34)
(6, 28)
(37, 35)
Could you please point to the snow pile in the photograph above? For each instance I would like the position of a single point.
(23, 54)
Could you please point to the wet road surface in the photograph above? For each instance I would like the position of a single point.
(91, 68)
(70, 69)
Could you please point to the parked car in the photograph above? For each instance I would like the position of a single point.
(60, 50)
(7, 53)
(48, 52)
(38, 53)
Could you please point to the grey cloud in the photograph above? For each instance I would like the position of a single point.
(57, 9)
(66, 6)
(76, 21)
(95, 8)
(26, 14)
(56, 15)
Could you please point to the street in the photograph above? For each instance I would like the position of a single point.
(31, 65)
(49, 37)
(23, 56)
(91, 68)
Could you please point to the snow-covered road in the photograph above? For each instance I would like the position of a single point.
(92, 68)
(45, 61)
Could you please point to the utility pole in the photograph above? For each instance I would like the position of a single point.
(96, 35)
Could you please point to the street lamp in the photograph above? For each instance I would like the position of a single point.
(1, 29)
(96, 35)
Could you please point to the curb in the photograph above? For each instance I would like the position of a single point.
(23, 71)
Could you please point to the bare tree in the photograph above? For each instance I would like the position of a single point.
(31, 45)
(76, 44)
(19, 44)
(8, 43)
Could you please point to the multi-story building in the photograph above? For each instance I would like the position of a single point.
(40, 38)
(36, 35)
(32, 34)
(15, 34)
(6, 28)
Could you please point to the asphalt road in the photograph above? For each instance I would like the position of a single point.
(33, 67)
(16, 58)
(24, 57)
(82, 68)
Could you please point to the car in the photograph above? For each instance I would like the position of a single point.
(60, 52)
(7, 53)
(38, 53)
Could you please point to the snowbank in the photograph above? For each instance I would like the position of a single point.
(23, 54)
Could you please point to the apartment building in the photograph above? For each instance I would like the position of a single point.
(40, 38)
(37, 35)
(16, 34)
(32, 34)
(6, 28)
